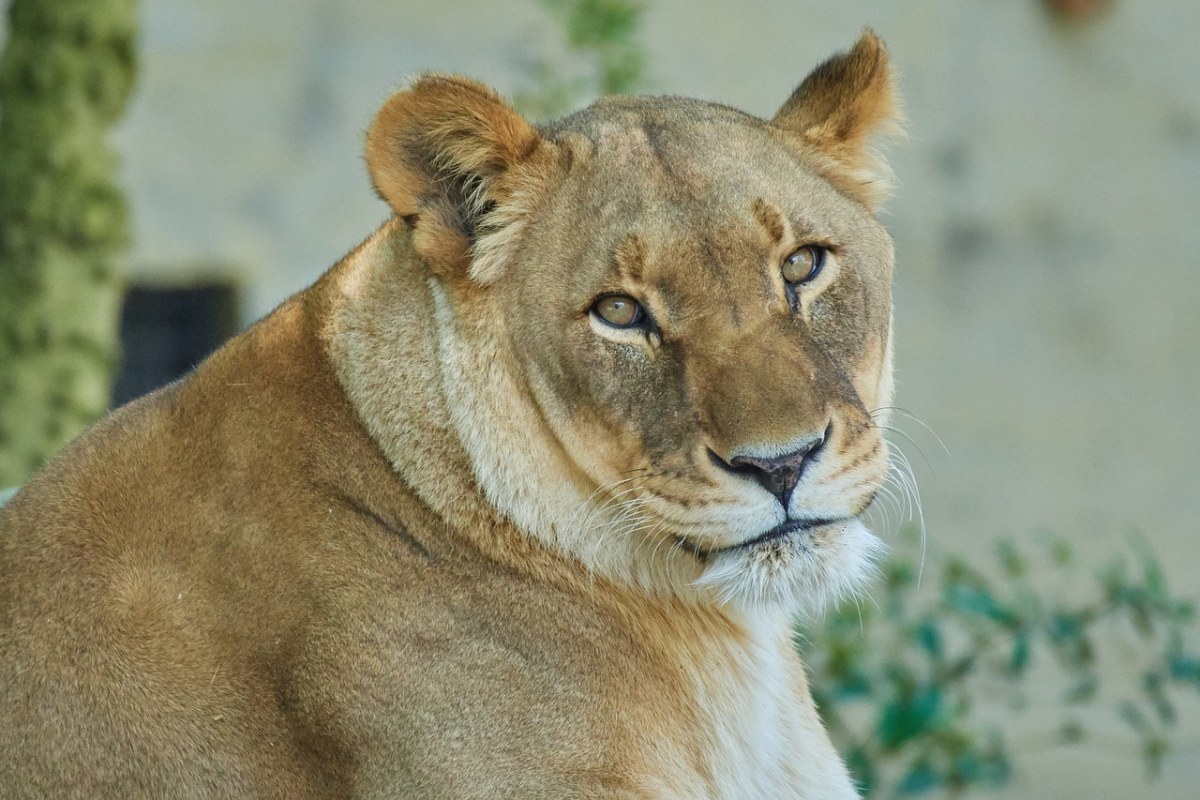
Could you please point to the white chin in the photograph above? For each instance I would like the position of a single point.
(803, 573)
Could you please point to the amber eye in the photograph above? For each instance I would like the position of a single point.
(619, 311)
(804, 264)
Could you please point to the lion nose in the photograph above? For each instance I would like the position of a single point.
(778, 474)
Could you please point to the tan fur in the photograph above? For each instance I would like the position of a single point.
(433, 530)
(838, 130)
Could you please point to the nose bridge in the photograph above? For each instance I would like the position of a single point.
(762, 391)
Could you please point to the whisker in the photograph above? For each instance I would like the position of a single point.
(891, 430)
(907, 478)
(915, 419)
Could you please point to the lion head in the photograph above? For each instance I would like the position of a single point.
(663, 325)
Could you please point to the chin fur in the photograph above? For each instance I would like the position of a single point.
(803, 574)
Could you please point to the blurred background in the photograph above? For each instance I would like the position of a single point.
(1046, 227)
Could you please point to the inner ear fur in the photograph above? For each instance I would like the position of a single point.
(441, 154)
(837, 109)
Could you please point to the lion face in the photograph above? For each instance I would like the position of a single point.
(681, 318)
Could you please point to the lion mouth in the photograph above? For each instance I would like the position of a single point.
(783, 530)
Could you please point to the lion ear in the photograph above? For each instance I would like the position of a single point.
(440, 153)
(836, 110)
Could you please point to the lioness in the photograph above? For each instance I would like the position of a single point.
(518, 500)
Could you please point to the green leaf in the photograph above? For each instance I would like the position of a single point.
(928, 637)
(906, 718)
(1155, 685)
(1083, 690)
(852, 684)
(1154, 749)
(1062, 552)
(1152, 574)
(1133, 716)
(1072, 731)
(1063, 626)
(899, 574)
(1185, 668)
(1019, 658)
(861, 766)
(1011, 559)
(921, 777)
(1067, 631)
(976, 601)
(591, 23)
(977, 767)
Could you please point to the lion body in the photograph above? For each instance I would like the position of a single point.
(349, 556)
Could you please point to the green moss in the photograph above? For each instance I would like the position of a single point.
(65, 77)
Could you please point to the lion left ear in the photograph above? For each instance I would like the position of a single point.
(448, 154)
(836, 110)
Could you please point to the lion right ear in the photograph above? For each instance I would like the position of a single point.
(442, 153)
(837, 109)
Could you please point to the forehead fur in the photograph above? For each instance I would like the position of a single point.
(696, 161)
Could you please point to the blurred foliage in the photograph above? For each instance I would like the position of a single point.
(902, 682)
(65, 77)
(603, 56)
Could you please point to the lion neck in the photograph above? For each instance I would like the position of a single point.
(381, 342)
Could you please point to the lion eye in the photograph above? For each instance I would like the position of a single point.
(804, 264)
(619, 311)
